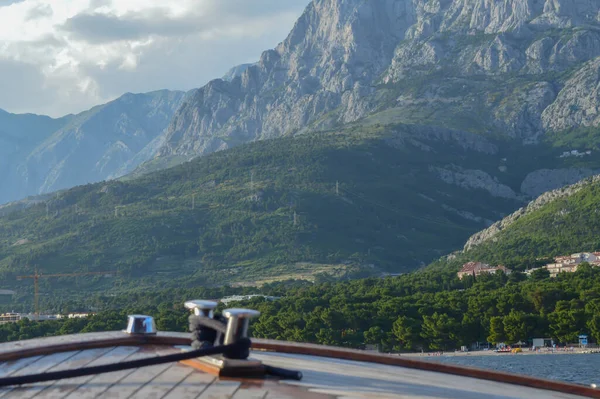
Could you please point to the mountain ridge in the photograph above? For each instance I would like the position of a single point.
(534, 206)
(105, 142)
(558, 222)
(491, 94)
(338, 51)
(515, 69)
(240, 98)
(341, 203)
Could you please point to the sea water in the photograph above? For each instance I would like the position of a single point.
(574, 368)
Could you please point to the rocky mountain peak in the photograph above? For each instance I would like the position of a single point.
(332, 33)
(496, 16)
(329, 61)
(326, 71)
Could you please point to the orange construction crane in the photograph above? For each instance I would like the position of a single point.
(36, 276)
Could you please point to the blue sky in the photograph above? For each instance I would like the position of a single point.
(65, 56)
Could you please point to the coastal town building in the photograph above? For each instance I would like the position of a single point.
(569, 263)
(13, 317)
(237, 298)
(6, 318)
(478, 268)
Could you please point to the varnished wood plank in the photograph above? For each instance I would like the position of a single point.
(192, 386)
(21, 346)
(229, 369)
(349, 378)
(62, 388)
(220, 390)
(78, 360)
(326, 374)
(39, 366)
(285, 391)
(45, 363)
(66, 343)
(163, 383)
(276, 395)
(95, 387)
(447, 369)
(250, 393)
(131, 383)
(11, 367)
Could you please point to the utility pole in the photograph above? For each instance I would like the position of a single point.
(295, 218)
(193, 201)
(337, 188)
(36, 295)
(47, 209)
(252, 180)
(36, 291)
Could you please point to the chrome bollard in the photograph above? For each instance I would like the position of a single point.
(141, 324)
(237, 323)
(202, 308)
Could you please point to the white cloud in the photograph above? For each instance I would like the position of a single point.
(64, 56)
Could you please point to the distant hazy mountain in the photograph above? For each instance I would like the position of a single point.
(39, 154)
(19, 135)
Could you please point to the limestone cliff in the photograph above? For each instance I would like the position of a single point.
(347, 59)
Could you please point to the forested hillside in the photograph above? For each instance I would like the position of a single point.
(430, 309)
(342, 203)
(434, 310)
(560, 222)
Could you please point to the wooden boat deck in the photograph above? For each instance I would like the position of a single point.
(324, 377)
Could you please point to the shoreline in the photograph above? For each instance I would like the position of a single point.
(434, 355)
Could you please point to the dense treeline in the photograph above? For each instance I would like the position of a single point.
(112, 310)
(430, 310)
(434, 310)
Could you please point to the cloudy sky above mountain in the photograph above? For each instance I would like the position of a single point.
(64, 56)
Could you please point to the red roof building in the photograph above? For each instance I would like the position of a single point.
(477, 268)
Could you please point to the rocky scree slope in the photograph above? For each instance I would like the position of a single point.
(40, 155)
(521, 70)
